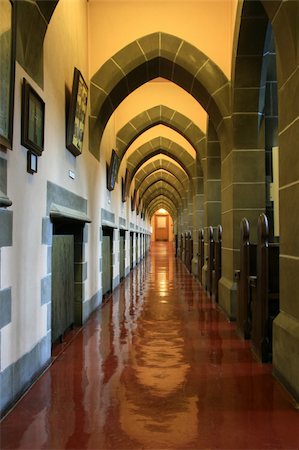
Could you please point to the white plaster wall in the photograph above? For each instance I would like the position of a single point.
(25, 263)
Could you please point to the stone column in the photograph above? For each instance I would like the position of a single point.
(212, 188)
(198, 214)
(286, 324)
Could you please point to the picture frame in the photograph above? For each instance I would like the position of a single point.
(32, 120)
(7, 72)
(123, 190)
(77, 114)
(126, 185)
(133, 200)
(112, 170)
(31, 162)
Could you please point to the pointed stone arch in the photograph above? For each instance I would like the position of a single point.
(166, 193)
(161, 145)
(162, 164)
(162, 187)
(159, 115)
(164, 176)
(162, 202)
(155, 208)
(156, 55)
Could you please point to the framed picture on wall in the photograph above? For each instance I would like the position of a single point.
(126, 185)
(7, 71)
(112, 170)
(123, 190)
(133, 200)
(76, 116)
(33, 119)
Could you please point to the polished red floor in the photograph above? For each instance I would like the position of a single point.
(158, 367)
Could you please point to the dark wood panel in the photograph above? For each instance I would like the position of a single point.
(131, 249)
(122, 257)
(107, 264)
(62, 285)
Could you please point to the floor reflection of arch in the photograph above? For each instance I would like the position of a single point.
(156, 55)
(159, 371)
(159, 115)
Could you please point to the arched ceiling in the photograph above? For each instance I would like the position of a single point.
(155, 55)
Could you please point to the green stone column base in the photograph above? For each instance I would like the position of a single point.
(286, 352)
(228, 297)
(195, 267)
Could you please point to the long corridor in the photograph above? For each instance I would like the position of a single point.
(157, 367)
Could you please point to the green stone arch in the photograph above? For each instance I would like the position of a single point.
(164, 176)
(166, 193)
(156, 55)
(162, 164)
(161, 186)
(159, 115)
(162, 202)
(161, 145)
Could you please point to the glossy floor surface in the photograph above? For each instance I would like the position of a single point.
(157, 367)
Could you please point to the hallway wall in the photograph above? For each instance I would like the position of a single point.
(26, 228)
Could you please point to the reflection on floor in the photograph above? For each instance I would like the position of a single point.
(158, 367)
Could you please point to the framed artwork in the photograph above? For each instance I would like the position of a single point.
(33, 120)
(7, 71)
(77, 113)
(112, 171)
(139, 206)
(126, 185)
(133, 200)
(123, 190)
(31, 162)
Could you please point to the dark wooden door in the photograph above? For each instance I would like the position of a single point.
(121, 256)
(131, 249)
(137, 247)
(107, 264)
(62, 285)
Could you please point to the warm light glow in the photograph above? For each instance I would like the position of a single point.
(162, 211)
